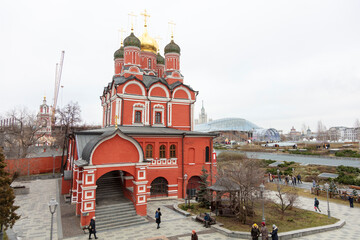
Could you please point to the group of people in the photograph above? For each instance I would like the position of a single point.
(263, 232)
(293, 179)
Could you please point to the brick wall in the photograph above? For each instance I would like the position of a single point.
(31, 166)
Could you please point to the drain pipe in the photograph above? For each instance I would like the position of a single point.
(182, 165)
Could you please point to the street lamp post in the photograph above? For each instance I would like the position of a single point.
(326, 185)
(262, 187)
(278, 173)
(52, 207)
(185, 177)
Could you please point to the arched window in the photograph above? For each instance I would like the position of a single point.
(138, 116)
(173, 151)
(159, 187)
(157, 117)
(207, 154)
(162, 151)
(149, 151)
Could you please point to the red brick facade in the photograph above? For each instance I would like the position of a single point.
(146, 134)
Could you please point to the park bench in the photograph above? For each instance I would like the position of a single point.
(201, 216)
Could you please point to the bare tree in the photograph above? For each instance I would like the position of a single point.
(321, 131)
(67, 118)
(357, 123)
(242, 179)
(303, 128)
(22, 133)
(287, 198)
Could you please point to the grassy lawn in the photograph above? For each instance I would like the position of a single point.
(307, 193)
(291, 220)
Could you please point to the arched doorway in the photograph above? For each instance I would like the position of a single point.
(193, 186)
(159, 187)
(111, 188)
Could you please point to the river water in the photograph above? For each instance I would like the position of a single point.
(301, 159)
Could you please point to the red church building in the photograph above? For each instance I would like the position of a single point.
(146, 146)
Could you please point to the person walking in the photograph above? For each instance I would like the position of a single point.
(316, 205)
(274, 233)
(92, 228)
(255, 232)
(158, 217)
(351, 201)
(264, 232)
(299, 178)
(194, 235)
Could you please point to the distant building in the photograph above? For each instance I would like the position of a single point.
(202, 116)
(294, 135)
(44, 120)
(238, 129)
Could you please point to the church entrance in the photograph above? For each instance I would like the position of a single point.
(110, 189)
(115, 202)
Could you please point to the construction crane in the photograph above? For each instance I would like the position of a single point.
(58, 72)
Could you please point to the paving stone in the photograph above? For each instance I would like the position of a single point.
(35, 219)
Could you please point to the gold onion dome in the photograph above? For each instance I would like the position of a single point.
(148, 43)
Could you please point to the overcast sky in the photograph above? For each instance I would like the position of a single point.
(275, 63)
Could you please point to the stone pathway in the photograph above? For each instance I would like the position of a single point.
(351, 215)
(34, 210)
(35, 219)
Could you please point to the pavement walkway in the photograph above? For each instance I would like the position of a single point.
(35, 219)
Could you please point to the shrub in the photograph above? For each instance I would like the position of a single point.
(230, 156)
(268, 162)
(347, 153)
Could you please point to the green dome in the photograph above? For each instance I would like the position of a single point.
(119, 53)
(160, 59)
(172, 47)
(132, 40)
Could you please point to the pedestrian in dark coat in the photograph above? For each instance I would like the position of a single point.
(255, 232)
(351, 201)
(194, 235)
(274, 233)
(264, 232)
(92, 228)
(158, 218)
(299, 178)
(316, 205)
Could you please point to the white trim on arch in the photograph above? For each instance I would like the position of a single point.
(123, 136)
(161, 86)
(182, 88)
(136, 83)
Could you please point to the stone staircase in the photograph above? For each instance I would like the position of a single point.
(113, 209)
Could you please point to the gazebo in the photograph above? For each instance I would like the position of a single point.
(225, 190)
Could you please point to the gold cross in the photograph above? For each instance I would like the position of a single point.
(158, 39)
(172, 26)
(145, 16)
(132, 16)
(121, 31)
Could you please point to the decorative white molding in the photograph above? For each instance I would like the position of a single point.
(136, 83)
(162, 87)
(184, 89)
(114, 165)
(123, 136)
